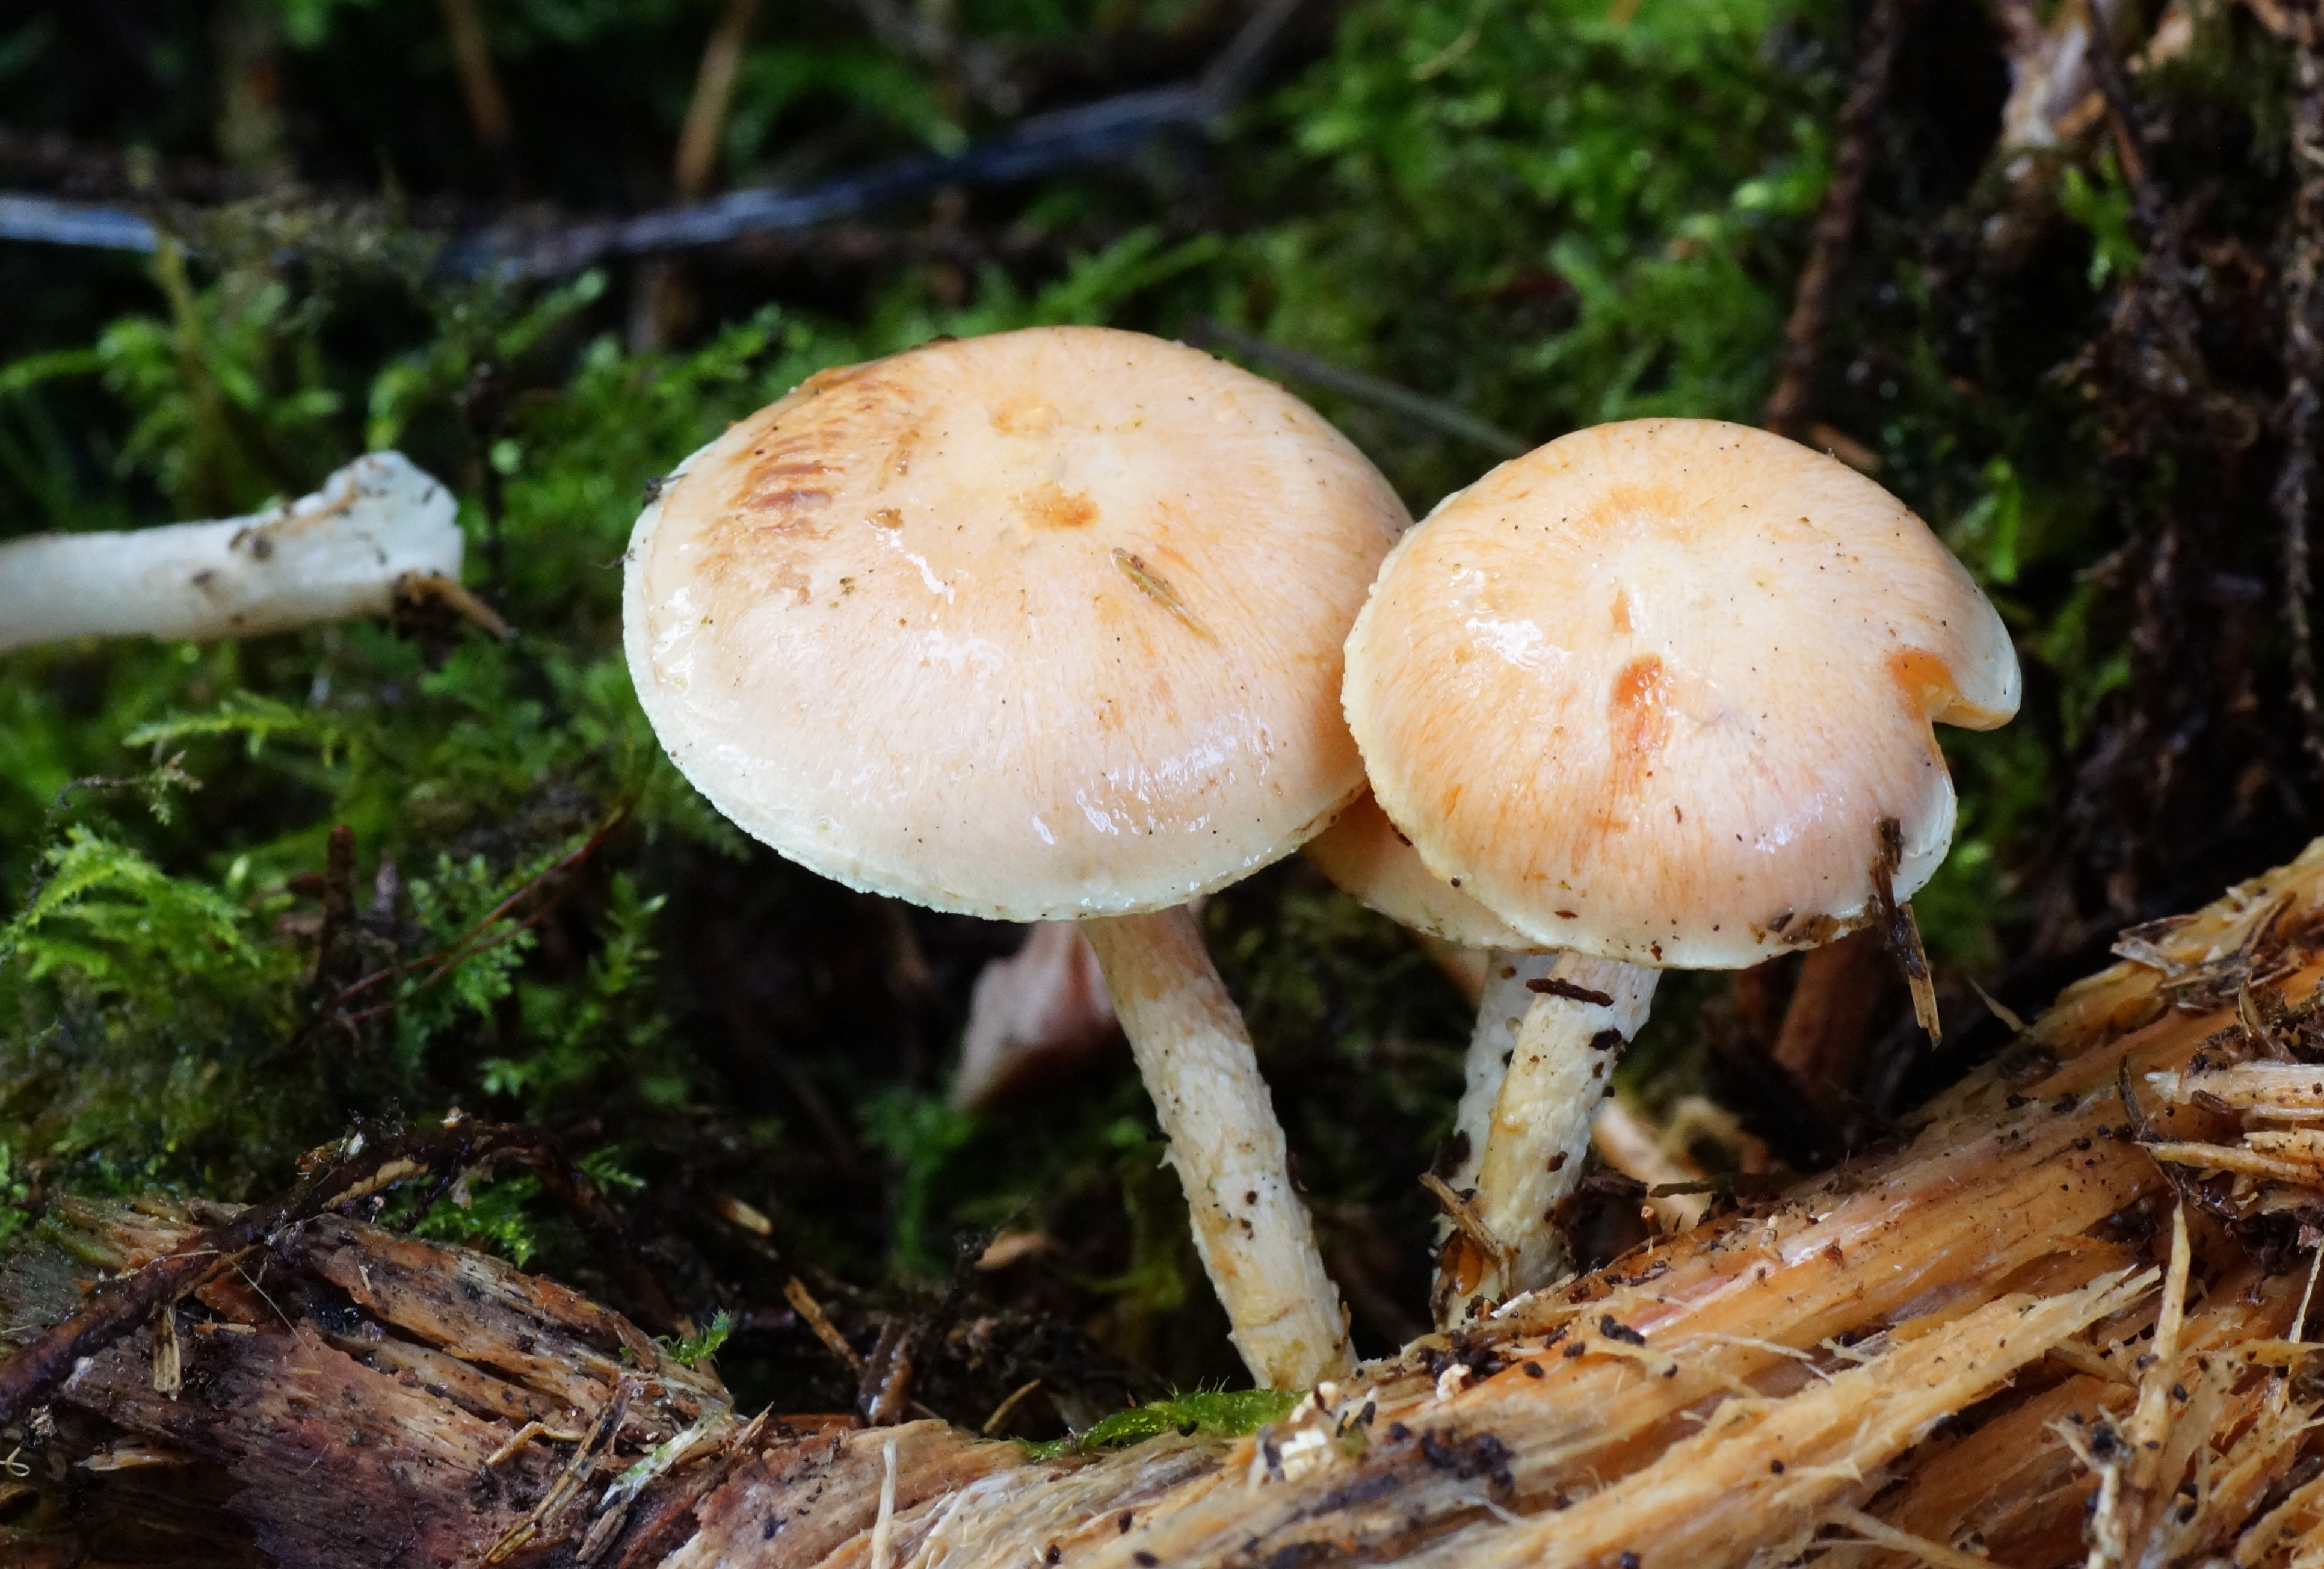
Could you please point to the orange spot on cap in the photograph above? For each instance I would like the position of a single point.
(1639, 724)
(1925, 680)
(1054, 507)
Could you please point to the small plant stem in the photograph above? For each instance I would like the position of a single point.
(480, 88)
(2303, 367)
(713, 90)
(1789, 405)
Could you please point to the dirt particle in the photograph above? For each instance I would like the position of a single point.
(1615, 1329)
(1554, 986)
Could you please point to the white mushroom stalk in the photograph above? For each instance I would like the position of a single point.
(1657, 694)
(378, 530)
(1559, 1072)
(1550, 1028)
(1255, 1239)
(1044, 625)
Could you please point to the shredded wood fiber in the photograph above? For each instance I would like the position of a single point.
(2055, 1326)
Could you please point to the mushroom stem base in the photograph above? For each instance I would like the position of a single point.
(1256, 1240)
(1560, 1067)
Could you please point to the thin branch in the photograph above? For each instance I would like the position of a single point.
(2303, 367)
(47, 221)
(480, 87)
(1449, 418)
(1787, 412)
(2114, 85)
(713, 90)
(92, 170)
(1108, 130)
(461, 949)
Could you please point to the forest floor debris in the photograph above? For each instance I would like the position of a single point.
(2030, 1331)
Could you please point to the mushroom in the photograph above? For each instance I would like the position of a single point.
(1659, 695)
(1040, 1011)
(1043, 626)
(1527, 997)
(377, 531)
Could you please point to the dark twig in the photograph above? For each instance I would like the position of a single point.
(466, 947)
(1449, 418)
(483, 410)
(57, 162)
(480, 87)
(2114, 85)
(1903, 931)
(1787, 412)
(1108, 130)
(335, 943)
(2303, 369)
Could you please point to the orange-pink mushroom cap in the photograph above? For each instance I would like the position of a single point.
(1650, 690)
(1036, 625)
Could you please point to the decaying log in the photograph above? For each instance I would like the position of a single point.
(2062, 1321)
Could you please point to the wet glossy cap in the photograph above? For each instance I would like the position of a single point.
(1369, 858)
(1030, 626)
(1650, 689)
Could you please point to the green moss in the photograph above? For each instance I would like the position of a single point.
(1210, 1414)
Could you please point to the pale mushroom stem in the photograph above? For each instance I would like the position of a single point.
(1537, 1130)
(1256, 1240)
(1500, 1010)
(376, 528)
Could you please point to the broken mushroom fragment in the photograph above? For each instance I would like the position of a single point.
(1659, 694)
(1043, 626)
(1041, 1011)
(376, 531)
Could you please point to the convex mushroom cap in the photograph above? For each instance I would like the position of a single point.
(1650, 690)
(1036, 625)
